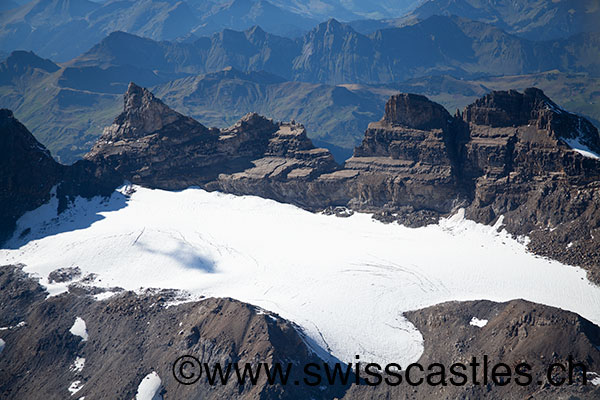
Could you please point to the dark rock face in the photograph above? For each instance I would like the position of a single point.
(151, 144)
(408, 158)
(516, 331)
(415, 111)
(28, 173)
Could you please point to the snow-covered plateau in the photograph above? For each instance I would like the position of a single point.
(344, 281)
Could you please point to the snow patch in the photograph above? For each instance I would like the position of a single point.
(2, 345)
(104, 295)
(79, 329)
(480, 323)
(19, 325)
(582, 149)
(595, 380)
(77, 365)
(75, 387)
(149, 388)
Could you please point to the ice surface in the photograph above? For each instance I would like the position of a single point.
(149, 388)
(79, 329)
(480, 323)
(344, 281)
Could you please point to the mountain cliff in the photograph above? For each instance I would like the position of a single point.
(153, 145)
(28, 174)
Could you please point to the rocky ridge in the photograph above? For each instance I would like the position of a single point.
(132, 335)
(29, 176)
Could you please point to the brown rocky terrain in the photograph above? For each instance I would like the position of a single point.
(151, 144)
(516, 331)
(130, 335)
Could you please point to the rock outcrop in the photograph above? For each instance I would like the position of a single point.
(536, 165)
(511, 333)
(152, 145)
(28, 174)
(132, 335)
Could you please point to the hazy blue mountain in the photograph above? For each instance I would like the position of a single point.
(241, 14)
(67, 120)
(348, 10)
(8, 5)
(68, 105)
(334, 53)
(63, 29)
(531, 19)
(335, 115)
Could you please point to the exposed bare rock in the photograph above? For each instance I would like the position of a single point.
(28, 173)
(511, 333)
(151, 144)
(415, 111)
(131, 335)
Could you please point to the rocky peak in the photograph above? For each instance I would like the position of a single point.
(415, 111)
(27, 172)
(16, 142)
(533, 108)
(509, 108)
(144, 114)
(22, 62)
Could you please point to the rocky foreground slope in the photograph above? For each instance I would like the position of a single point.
(510, 155)
(130, 336)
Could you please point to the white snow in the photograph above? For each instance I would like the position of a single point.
(78, 365)
(582, 149)
(480, 323)
(595, 378)
(344, 281)
(79, 329)
(149, 388)
(104, 296)
(19, 325)
(75, 387)
(2, 345)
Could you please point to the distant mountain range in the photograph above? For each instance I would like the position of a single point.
(334, 53)
(63, 29)
(66, 107)
(530, 19)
